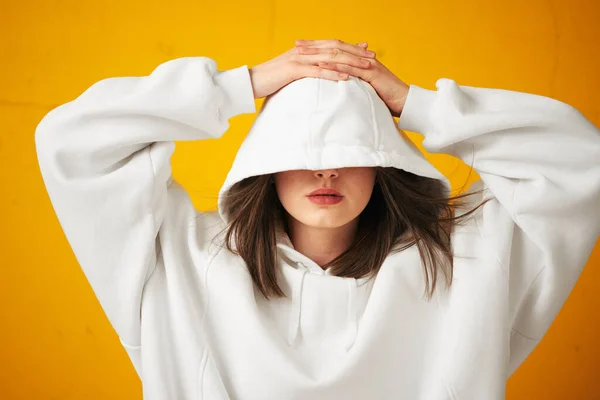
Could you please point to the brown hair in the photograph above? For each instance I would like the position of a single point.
(405, 209)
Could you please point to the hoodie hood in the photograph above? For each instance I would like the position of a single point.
(315, 124)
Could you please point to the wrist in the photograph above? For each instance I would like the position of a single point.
(397, 106)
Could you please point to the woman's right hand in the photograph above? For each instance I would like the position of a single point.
(270, 76)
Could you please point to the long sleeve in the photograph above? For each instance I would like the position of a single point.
(540, 159)
(105, 160)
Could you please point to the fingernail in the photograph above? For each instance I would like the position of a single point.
(363, 44)
(342, 75)
(370, 53)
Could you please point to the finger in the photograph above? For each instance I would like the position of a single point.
(314, 71)
(357, 72)
(314, 55)
(311, 42)
(347, 47)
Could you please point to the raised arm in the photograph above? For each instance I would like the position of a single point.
(105, 161)
(540, 158)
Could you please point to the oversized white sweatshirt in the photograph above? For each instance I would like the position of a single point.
(185, 308)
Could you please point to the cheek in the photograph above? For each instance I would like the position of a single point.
(362, 195)
(362, 188)
(287, 185)
(360, 198)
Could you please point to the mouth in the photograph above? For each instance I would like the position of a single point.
(325, 197)
(325, 192)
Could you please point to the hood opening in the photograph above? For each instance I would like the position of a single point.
(314, 124)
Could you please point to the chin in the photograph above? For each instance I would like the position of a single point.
(325, 221)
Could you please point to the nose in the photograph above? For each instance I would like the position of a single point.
(327, 173)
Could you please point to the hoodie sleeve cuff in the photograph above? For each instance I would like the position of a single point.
(416, 114)
(237, 88)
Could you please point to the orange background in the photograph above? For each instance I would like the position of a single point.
(55, 342)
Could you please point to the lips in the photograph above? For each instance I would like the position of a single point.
(325, 192)
(325, 197)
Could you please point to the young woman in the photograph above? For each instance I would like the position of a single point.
(319, 276)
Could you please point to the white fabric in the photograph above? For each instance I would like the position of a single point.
(186, 309)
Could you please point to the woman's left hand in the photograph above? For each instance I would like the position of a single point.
(391, 89)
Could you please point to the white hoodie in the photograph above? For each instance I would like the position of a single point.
(186, 309)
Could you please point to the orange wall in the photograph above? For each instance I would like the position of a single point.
(54, 339)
